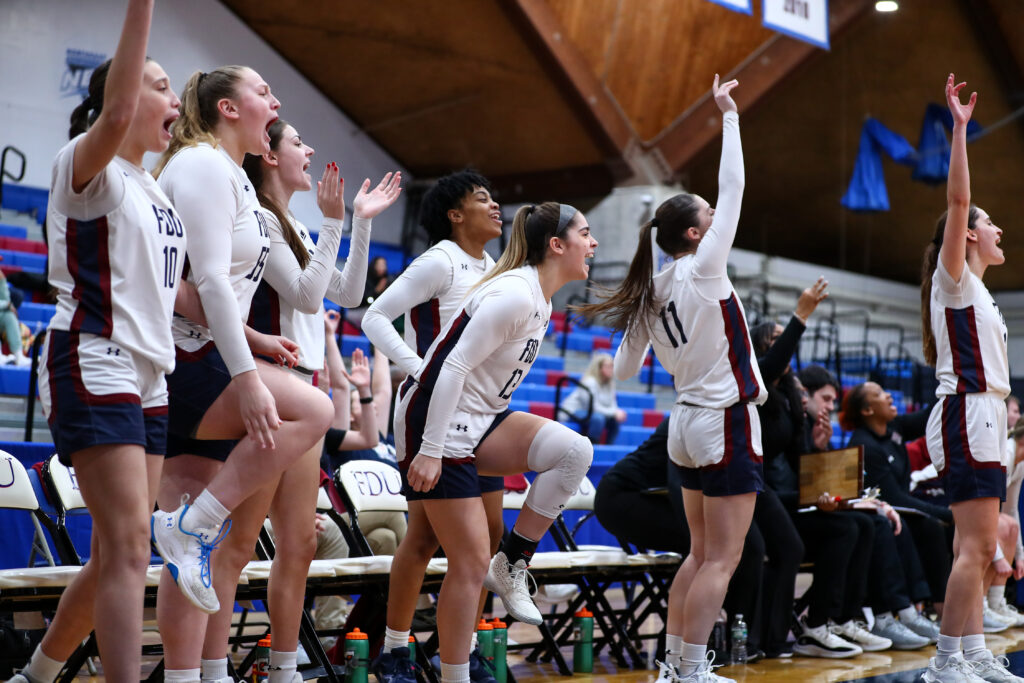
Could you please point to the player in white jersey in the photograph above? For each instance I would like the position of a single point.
(218, 391)
(480, 356)
(692, 316)
(108, 346)
(460, 217)
(965, 338)
(289, 302)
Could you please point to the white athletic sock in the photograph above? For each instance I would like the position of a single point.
(393, 639)
(474, 642)
(213, 669)
(454, 673)
(946, 648)
(907, 613)
(181, 675)
(996, 596)
(282, 666)
(673, 650)
(206, 512)
(974, 646)
(693, 657)
(42, 669)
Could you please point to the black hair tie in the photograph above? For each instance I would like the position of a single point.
(654, 222)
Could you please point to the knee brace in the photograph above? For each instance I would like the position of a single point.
(561, 458)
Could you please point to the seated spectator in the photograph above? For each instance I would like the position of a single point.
(605, 415)
(868, 412)
(10, 328)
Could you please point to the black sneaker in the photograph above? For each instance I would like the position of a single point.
(480, 670)
(394, 667)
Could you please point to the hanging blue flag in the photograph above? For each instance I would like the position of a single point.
(867, 187)
(933, 145)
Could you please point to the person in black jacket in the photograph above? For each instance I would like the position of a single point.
(868, 411)
(625, 505)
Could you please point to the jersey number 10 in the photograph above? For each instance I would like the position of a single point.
(671, 308)
(170, 266)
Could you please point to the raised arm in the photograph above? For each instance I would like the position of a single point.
(713, 251)
(381, 388)
(120, 97)
(423, 280)
(958, 186)
(629, 357)
(346, 286)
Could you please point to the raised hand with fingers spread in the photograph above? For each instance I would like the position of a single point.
(368, 203)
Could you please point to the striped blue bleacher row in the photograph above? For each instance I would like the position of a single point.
(13, 231)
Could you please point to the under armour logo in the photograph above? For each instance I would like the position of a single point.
(245, 187)
(111, 351)
(988, 425)
(461, 428)
(465, 266)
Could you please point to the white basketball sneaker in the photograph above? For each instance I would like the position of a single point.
(509, 584)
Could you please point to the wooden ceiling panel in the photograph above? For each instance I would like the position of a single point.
(436, 84)
(800, 146)
(657, 57)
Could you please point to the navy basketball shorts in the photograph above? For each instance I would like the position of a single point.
(966, 437)
(459, 476)
(199, 378)
(718, 450)
(94, 392)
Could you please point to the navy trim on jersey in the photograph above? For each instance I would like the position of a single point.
(955, 438)
(88, 259)
(265, 311)
(429, 375)
(966, 347)
(425, 319)
(740, 357)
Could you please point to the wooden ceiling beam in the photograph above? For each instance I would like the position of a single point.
(585, 91)
(763, 71)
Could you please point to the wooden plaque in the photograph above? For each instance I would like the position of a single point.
(840, 473)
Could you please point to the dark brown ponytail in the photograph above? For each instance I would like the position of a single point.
(928, 265)
(253, 167)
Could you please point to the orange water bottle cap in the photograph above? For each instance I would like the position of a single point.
(484, 626)
(584, 613)
(356, 634)
(498, 623)
(264, 642)
(412, 639)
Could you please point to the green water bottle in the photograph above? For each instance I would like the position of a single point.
(357, 657)
(261, 664)
(485, 641)
(583, 642)
(412, 648)
(500, 650)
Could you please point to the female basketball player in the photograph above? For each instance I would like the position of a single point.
(965, 338)
(219, 391)
(461, 217)
(692, 316)
(480, 357)
(102, 384)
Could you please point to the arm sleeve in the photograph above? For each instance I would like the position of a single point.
(303, 288)
(205, 199)
(497, 315)
(421, 281)
(629, 357)
(333, 439)
(346, 286)
(912, 425)
(878, 473)
(713, 251)
(99, 197)
(774, 363)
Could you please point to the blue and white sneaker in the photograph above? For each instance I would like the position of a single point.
(394, 667)
(187, 555)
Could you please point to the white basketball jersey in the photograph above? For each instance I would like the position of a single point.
(516, 337)
(704, 342)
(970, 336)
(424, 321)
(116, 251)
(249, 240)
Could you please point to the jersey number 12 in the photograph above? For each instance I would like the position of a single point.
(671, 308)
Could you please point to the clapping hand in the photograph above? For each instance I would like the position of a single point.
(369, 203)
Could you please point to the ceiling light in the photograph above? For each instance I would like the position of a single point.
(887, 6)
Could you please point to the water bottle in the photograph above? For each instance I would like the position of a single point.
(583, 642)
(739, 640)
(412, 648)
(500, 650)
(261, 664)
(357, 654)
(485, 640)
(719, 638)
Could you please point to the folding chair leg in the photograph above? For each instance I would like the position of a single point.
(78, 659)
(315, 649)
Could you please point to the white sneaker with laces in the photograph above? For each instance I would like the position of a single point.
(1009, 613)
(821, 642)
(956, 670)
(922, 626)
(18, 678)
(994, 669)
(509, 584)
(706, 673)
(992, 622)
(187, 555)
(666, 673)
(857, 633)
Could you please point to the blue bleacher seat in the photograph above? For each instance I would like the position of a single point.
(14, 381)
(24, 259)
(26, 199)
(632, 399)
(351, 342)
(632, 436)
(549, 363)
(611, 454)
(13, 231)
(32, 314)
